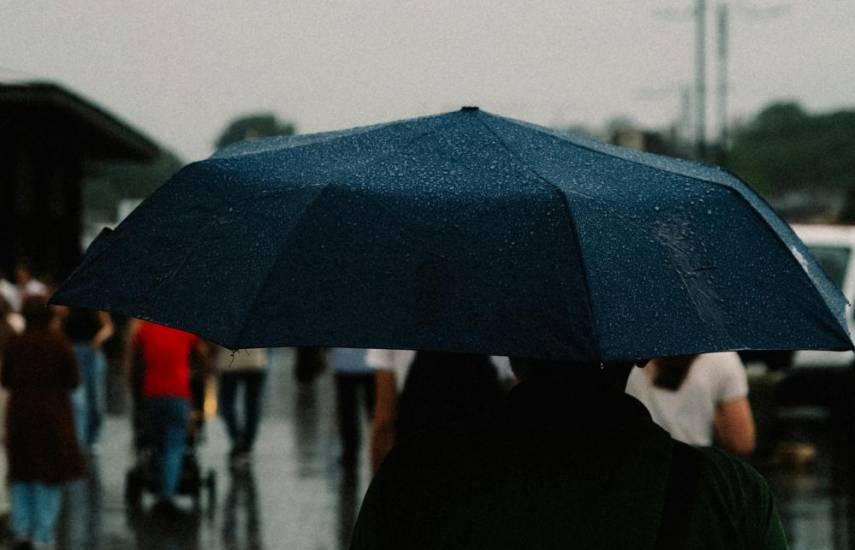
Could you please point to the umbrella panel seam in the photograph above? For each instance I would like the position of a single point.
(573, 229)
(736, 187)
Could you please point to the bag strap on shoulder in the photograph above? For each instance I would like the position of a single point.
(679, 497)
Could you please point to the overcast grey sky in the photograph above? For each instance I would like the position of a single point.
(181, 70)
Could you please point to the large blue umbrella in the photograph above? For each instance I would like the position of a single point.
(464, 231)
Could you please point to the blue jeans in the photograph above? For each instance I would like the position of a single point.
(243, 434)
(168, 417)
(35, 509)
(88, 399)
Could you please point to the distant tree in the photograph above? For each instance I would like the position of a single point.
(254, 126)
(784, 149)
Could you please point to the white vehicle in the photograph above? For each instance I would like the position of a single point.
(834, 248)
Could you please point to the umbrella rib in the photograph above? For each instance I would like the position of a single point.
(322, 187)
(239, 335)
(413, 235)
(621, 153)
(571, 226)
(737, 186)
(742, 191)
(153, 293)
(768, 215)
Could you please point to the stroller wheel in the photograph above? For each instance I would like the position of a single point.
(133, 488)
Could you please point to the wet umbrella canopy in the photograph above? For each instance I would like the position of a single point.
(463, 231)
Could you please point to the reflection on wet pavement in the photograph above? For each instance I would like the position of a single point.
(296, 495)
(241, 518)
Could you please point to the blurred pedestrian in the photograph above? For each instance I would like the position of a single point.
(242, 371)
(420, 390)
(165, 353)
(7, 330)
(698, 399)
(88, 330)
(8, 291)
(571, 461)
(310, 362)
(7, 326)
(354, 382)
(39, 370)
(25, 285)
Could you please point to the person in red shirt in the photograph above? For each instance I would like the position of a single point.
(166, 353)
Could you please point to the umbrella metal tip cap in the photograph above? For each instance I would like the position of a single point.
(469, 108)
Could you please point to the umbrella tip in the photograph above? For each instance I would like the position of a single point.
(469, 108)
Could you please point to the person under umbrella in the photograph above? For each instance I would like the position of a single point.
(417, 390)
(571, 462)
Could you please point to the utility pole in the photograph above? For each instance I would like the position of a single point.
(686, 112)
(700, 89)
(700, 79)
(722, 75)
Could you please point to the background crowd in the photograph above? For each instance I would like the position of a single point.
(54, 372)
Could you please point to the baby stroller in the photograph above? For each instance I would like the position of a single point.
(142, 476)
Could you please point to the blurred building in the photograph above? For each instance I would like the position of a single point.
(48, 136)
(642, 140)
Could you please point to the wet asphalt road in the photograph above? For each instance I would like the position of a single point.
(296, 496)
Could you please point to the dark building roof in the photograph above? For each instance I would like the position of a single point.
(34, 107)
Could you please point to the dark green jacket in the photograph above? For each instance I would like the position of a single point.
(562, 467)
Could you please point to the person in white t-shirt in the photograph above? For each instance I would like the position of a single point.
(698, 399)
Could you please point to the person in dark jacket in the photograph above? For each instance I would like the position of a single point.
(417, 390)
(571, 462)
(40, 371)
(447, 389)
